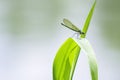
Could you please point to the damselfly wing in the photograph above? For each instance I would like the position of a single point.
(71, 26)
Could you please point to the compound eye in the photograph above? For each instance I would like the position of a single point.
(82, 33)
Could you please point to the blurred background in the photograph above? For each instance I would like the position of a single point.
(30, 35)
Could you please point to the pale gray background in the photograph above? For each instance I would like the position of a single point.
(30, 35)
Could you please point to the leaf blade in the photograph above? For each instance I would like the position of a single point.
(65, 60)
(87, 22)
(87, 48)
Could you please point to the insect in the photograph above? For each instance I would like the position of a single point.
(71, 26)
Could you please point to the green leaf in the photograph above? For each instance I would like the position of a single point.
(65, 60)
(87, 48)
(71, 26)
(87, 22)
(66, 57)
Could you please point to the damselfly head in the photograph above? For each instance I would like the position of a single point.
(81, 32)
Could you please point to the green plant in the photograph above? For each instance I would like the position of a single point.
(66, 57)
